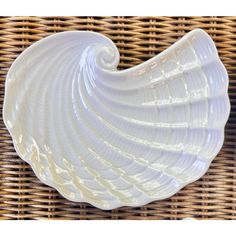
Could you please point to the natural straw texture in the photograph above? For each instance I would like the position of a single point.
(23, 196)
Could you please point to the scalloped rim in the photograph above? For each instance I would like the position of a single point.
(148, 200)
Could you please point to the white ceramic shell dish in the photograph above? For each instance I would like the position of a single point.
(116, 138)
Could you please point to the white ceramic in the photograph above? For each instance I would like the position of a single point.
(116, 138)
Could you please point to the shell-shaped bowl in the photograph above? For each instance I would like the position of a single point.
(116, 138)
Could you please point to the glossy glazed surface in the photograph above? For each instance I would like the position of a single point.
(114, 138)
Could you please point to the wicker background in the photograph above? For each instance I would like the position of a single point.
(22, 196)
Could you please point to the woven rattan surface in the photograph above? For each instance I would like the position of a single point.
(23, 196)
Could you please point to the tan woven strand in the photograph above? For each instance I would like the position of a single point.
(23, 196)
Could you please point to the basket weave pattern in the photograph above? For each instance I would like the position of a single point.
(23, 196)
